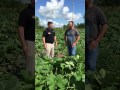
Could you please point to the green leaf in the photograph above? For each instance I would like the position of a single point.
(102, 72)
(88, 87)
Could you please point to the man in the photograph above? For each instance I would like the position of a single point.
(27, 35)
(71, 37)
(49, 38)
(96, 26)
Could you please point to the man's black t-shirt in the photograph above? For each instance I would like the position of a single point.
(27, 20)
(49, 35)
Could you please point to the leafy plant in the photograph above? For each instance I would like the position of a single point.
(11, 58)
(62, 72)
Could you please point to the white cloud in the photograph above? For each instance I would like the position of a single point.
(52, 9)
(56, 9)
(55, 24)
(65, 10)
(36, 0)
(72, 16)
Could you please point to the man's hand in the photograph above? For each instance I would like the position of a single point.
(56, 44)
(22, 40)
(25, 49)
(55, 41)
(93, 44)
(74, 44)
(45, 46)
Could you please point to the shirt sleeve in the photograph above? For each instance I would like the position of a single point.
(77, 33)
(22, 19)
(101, 17)
(44, 33)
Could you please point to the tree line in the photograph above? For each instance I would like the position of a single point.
(38, 24)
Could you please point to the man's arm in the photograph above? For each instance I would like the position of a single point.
(95, 42)
(43, 39)
(77, 39)
(102, 20)
(74, 44)
(22, 39)
(21, 35)
(55, 40)
(103, 24)
(22, 23)
(102, 32)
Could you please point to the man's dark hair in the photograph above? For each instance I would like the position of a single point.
(71, 22)
(50, 23)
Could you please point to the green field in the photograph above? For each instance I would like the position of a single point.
(62, 72)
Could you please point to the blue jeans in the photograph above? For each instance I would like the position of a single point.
(71, 50)
(90, 58)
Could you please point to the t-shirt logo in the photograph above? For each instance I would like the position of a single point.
(49, 33)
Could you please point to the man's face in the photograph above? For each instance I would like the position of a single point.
(70, 24)
(50, 25)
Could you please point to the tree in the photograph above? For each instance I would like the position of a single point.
(37, 22)
(65, 26)
(80, 25)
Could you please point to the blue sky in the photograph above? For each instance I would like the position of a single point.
(59, 11)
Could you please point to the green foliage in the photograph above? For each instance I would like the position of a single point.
(9, 43)
(80, 25)
(108, 2)
(12, 74)
(37, 22)
(11, 4)
(109, 46)
(61, 72)
(109, 56)
(101, 80)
